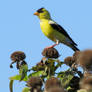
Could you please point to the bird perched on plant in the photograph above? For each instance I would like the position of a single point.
(53, 30)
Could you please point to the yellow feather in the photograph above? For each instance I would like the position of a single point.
(51, 33)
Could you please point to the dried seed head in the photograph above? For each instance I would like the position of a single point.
(52, 82)
(40, 66)
(76, 55)
(56, 89)
(34, 82)
(86, 74)
(50, 53)
(69, 61)
(86, 83)
(18, 56)
(85, 59)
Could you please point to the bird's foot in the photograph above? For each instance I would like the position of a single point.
(52, 46)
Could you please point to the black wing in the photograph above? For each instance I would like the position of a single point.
(61, 30)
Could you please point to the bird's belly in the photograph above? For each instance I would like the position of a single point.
(51, 33)
(48, 31)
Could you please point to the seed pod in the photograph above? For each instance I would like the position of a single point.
(69, 61)
(33, 82)
(50, 53)
(86, 83)
(56, 89)
(52, 82)
(85, 59)
(18, 56)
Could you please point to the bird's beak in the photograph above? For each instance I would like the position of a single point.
(36, 13)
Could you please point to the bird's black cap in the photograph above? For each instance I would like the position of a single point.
(40, 10)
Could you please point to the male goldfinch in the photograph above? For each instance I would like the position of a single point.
(53, 30)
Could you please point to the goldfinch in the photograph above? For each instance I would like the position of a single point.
(54, 31)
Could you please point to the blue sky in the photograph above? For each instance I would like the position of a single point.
(20, 30)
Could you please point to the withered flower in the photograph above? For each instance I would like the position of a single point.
(56, 89)
(86, 74)
(76, 55)
(86, 83)
(85, 59)
(52, 82)
(35, 83)
(50, 53)
(69, 61)
(17, 57)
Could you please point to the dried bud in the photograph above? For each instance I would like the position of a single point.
(86, 83)
(34, 82)
(52, 82)
(18, 56)
(56, 89)
(42, 62)
(50, 53)
(69, 61)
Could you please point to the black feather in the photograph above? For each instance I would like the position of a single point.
(61, 30)
(40, 10)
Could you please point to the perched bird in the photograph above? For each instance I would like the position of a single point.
(53, 30)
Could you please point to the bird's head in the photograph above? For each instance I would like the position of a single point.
(42, 13)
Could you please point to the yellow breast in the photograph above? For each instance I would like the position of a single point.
(47, 29)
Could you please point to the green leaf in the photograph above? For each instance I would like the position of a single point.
(18, 77)
(58, 64)
(67, 79)
(39, 73)
(34, 68)
(23, 71)
(26, 89)
(23, 68)
(11, 85)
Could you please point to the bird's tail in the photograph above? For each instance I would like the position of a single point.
(74, 48)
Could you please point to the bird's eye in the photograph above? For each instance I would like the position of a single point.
(40, 10)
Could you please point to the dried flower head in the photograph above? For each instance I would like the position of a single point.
(52, 82)
(86, 83)
(50, 53)
(69, 61)
(85, 59)
(34, 82)
(86, 74)
(76, 55)
(56, 89)
(18, 56)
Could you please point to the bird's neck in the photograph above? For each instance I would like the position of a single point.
(41, 20)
